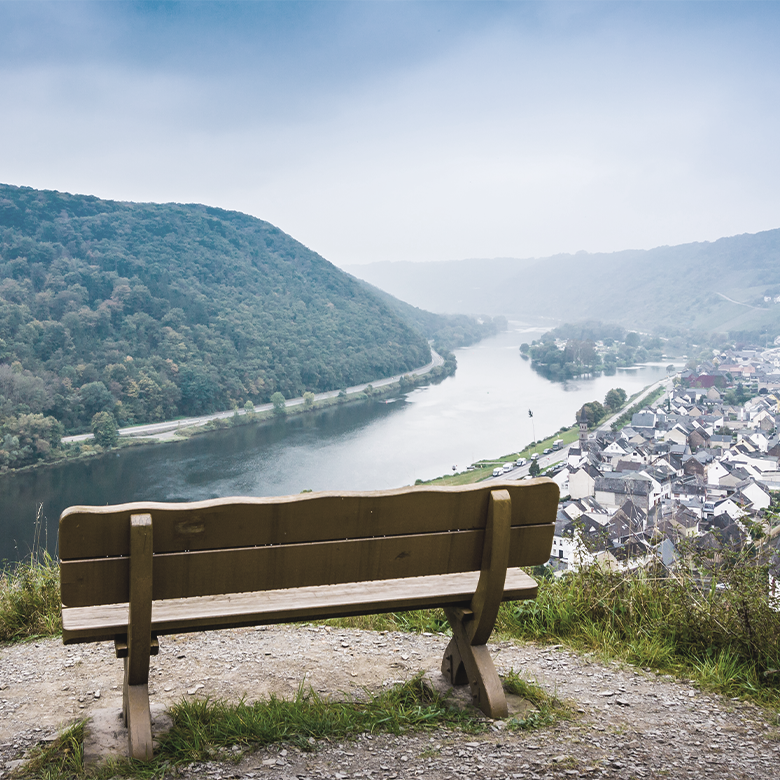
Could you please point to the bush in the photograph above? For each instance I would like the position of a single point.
(105, 429)
(277, 399)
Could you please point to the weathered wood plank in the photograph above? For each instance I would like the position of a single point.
(91, 624)
(247, 522)
(139, 627)
(138, 718)
(183, 575)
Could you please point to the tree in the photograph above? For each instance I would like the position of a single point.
(308, 400)
(632, 339)
(594, 412)
(534, 469)
(105, 430)
(277, 399)
(615, 398)
(96, 397)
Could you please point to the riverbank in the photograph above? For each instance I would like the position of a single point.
(483, 469)
(83, 446)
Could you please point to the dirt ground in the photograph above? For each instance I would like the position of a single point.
(627, 722)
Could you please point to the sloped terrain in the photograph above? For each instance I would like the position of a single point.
(155, 310)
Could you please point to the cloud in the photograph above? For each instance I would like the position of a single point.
(414, 131)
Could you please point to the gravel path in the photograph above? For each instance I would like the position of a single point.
(629, 723)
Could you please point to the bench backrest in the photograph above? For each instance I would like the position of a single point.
(233, 545)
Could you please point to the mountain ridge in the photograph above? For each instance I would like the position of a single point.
(155, 310)
(676, 286)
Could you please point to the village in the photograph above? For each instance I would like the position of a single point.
(694, 473)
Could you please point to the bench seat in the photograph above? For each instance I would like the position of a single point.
(202, 613)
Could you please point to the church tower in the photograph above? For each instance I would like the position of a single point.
(583, 421)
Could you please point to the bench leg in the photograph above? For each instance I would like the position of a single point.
(138, 718)
(464, 662)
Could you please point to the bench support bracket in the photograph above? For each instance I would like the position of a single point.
(467, 657)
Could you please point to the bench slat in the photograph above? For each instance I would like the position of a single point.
(183, 575)
(87, 532)
(92, 624)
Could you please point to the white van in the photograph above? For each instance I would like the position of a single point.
(508, 467)
(521, 462)
(498, 471)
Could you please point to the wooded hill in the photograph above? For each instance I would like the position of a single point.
(153, 311)
(684, 287)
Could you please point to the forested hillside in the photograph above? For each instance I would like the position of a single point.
(447, 331)
(152, 311)
(728, 286)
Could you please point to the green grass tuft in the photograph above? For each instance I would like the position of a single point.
(549, 708)
(30, 599)
(59, 760)
(207, 730)
(726, 639)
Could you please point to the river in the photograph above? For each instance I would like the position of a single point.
(480, 412)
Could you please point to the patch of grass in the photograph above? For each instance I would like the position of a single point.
(30, 599)
(726, 639)
(201, 726)
(62, 758)
(211, 729)
(418, 622)
(549, 708)
(468, 477)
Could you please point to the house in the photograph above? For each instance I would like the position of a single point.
(582, 481)
(614, 489)
(698, 438)
(715, 471)
(692, 466)
(730, 508)
(757, 495)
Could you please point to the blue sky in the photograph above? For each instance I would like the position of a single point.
(408, 130)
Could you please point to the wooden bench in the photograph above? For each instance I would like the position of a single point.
(132, 572)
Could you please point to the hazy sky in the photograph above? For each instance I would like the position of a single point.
(408, 130)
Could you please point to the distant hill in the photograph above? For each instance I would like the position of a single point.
(685, 286)
(152, 311)
(446, 331)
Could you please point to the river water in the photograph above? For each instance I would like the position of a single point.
(480, 412)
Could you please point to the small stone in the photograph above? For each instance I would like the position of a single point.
(193, 691)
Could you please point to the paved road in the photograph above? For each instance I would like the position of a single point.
(170, 426)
